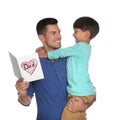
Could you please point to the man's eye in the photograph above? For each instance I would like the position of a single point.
(53, 32)
(59, 32)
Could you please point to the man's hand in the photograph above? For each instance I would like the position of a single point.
(21, 86)
(75, 104)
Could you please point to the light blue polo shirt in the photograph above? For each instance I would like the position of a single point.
(79, 82)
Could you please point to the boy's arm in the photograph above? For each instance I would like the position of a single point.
(61, 53)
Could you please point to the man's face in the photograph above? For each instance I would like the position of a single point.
(52, 37)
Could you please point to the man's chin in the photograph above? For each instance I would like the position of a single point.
(57, 47)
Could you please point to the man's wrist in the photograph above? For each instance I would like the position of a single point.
(24, 99)
(22, 94)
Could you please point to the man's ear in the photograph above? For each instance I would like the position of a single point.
(41, 37)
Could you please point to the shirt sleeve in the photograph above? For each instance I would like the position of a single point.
(61, 53)
(30, 90)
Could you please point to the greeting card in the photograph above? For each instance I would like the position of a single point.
(28, 67)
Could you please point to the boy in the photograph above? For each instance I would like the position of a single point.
(79, 83)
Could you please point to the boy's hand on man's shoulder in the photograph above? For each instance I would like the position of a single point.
(41, 52)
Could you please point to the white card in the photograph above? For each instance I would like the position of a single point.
(28, 67)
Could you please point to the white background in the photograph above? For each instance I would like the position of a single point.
(18, 20)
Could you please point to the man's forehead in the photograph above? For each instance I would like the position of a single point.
(52, 27)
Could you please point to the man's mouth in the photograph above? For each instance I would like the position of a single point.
(58, 41)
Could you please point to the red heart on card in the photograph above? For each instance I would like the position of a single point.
(29, 66)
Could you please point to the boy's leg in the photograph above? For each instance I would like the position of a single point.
(67, 115)
(87, 99)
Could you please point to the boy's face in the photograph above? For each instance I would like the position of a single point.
(52, 37)
(81, 36)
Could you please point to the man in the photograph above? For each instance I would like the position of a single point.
(50, 92)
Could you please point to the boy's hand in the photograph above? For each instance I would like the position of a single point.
(41, 52)
(39, 49)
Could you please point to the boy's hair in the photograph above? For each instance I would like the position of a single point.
(87, 23)
(41, 25)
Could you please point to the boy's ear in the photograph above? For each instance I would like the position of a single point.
(88, 34)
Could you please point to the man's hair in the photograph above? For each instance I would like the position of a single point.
(87, 23)
(41, 25)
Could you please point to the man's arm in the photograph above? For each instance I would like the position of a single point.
(21, 87)
(24, 99)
